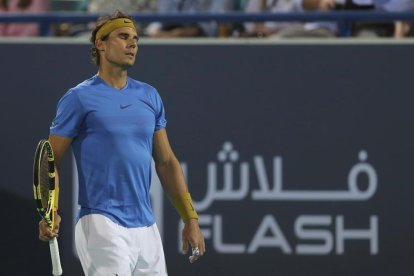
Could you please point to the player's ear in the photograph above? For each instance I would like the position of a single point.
(99, 44)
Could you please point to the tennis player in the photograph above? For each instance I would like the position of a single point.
(116, 126)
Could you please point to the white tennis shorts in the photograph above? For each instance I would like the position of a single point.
(106, 248)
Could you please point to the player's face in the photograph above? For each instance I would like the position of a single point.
(121, 47)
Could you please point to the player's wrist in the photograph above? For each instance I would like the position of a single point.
(192, 221)
(184, 206)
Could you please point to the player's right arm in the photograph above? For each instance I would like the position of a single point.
(59, 146)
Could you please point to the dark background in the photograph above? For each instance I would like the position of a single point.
(315, 106)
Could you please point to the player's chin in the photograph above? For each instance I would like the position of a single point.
(128, 64)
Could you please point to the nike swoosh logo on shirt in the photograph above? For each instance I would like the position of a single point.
(124, 106)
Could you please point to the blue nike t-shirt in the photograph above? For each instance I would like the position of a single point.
(113, 133)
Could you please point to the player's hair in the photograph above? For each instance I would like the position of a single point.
(99, 23)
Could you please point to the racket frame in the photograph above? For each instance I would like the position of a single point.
(48, 213)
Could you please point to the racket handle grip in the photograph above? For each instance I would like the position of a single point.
(54, 254)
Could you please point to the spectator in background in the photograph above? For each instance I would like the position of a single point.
(236, 29)
(286, 29)
(328, 29)
(198, 29)
(369, 29)
(131, 6)
(402, 29)
(271, 28)
(107, 7)
(110, 6)
(386, 29)
(22, 6)
(70, 28)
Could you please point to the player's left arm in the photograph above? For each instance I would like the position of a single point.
(172, 179)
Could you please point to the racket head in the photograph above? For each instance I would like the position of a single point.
(44, 181)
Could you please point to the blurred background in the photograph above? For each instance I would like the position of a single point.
(291, 119)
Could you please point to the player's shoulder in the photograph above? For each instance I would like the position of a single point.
(81, 88)
(86, 84)
(136, 84)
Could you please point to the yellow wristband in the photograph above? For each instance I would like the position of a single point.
(184, 206)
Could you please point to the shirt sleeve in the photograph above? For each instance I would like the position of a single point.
(69, 116)
(160, 121)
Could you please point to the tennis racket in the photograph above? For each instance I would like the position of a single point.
(46, 195)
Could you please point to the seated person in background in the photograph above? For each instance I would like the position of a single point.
(290, 29)
(385, 29)
(197, 29)
(107, 7)
(368, 29)
(130, 6)
(21, 6)
(264, 29)
(402, 28)
(326, 29)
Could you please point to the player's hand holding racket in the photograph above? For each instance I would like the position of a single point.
(45, 232)
(46, 194)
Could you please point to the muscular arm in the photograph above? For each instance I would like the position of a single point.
(59, 145)
(167, 166)
(172, 179)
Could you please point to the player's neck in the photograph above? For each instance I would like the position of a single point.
(115, 77)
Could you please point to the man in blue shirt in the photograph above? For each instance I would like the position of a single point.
(200, 29)
(116, 126)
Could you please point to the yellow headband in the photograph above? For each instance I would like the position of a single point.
(114, 24)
